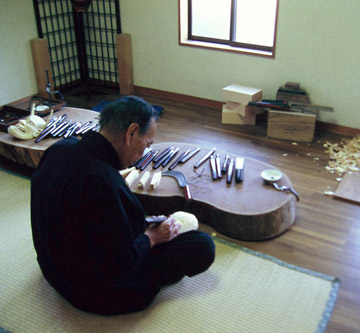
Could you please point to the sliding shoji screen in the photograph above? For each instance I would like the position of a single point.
(82, 46)
(101, 24)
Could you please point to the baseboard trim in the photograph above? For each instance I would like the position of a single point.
(150, 92)
(338, 129)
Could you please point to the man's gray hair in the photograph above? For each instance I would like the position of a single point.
(119, 115)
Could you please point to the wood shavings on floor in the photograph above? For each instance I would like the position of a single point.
(344, 156)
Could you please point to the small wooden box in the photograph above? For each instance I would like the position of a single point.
(243, 110)
(241, 94)
(291, 125)
(232, 117)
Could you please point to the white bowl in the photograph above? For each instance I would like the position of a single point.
(41, 108)
(271, 175)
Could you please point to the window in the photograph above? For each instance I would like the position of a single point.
(247, 26)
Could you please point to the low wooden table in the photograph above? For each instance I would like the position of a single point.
(249, 211)
(29, 153)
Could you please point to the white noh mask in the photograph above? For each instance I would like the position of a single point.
(30, 127)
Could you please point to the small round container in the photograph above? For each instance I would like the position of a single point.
(271, 175)
(41, 108)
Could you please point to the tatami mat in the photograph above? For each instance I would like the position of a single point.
(243, 291)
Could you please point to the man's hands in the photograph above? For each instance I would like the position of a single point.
(163, 232)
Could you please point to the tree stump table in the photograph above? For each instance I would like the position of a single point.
(29, 153)
(248, 211)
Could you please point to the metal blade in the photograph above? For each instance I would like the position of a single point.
(179, 176)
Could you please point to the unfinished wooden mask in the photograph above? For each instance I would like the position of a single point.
(30, 127)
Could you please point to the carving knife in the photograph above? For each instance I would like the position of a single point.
(60, 128)
(148, 160)
(225, 165)
(91, 127)
(51, 128)
(239, 169)
(63, 130)
(174, 164)
(230, 171)
(142, 159)
(79, 130)
(162, 154)
(171, 155)
(72, 129)
(156, 219)
(161, 160)
(180, 178)
(59, 123)
(213, 167)
(204, 158)
(218, 166)
(189, 155)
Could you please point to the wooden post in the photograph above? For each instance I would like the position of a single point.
(124, 61)
(41, 58)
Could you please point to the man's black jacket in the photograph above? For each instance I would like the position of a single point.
(88, 228)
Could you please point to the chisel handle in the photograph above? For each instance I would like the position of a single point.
(187, 192)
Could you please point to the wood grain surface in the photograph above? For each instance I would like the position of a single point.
(349, 188)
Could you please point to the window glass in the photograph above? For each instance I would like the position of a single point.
(245, 26)
(254, 26)
(211, 18)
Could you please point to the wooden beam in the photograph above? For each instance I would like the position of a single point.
(41, 58)
(124, 61)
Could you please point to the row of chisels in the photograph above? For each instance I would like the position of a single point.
(230, 166)
(63, 127)
(164, 158)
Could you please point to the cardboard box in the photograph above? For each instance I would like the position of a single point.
(232, 117)
(241, 94)
(291, 125)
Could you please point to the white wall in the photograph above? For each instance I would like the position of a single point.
(318, 45)
(17, 28)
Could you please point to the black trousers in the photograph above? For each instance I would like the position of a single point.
(188, 254)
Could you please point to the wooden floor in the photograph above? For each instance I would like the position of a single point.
(326, 234)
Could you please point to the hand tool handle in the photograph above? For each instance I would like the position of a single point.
(162, 154)
(160, 161)
(239, 175)
(174, 164)
(142, 159)
(187, 192)
(79, 130)
(213, 168)
(189, 155)
(45, 133)
(170, 157)
(148, 160)
(218, 166)
(230, 171)
(225, 165)
(156, 219)
(275, 106)
(204, 158)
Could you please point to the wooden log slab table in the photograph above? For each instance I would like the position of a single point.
(29, 153)
(249, 210)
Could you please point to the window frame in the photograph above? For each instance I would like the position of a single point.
(186, 39)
